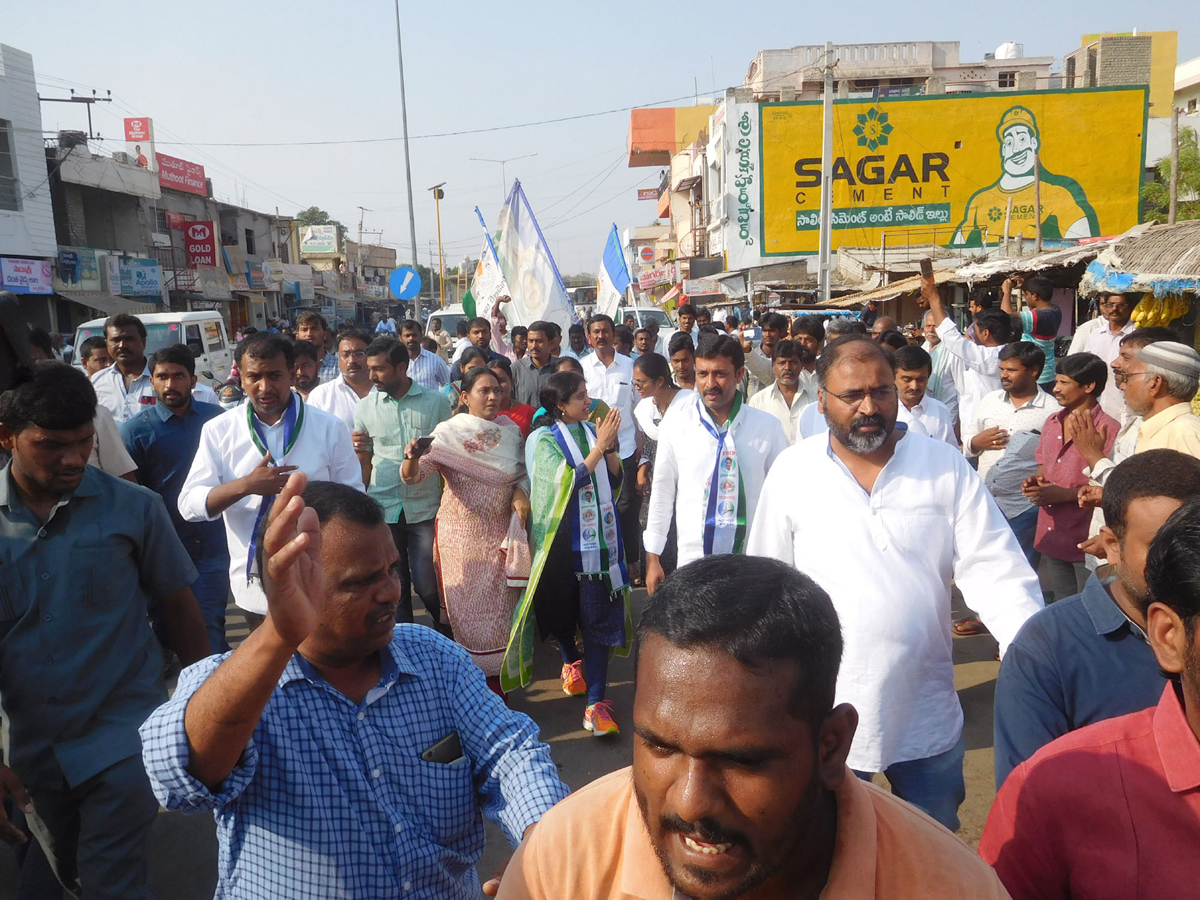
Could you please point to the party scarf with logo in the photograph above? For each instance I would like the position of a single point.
(725, 499)
(595, 532)
(293, 421)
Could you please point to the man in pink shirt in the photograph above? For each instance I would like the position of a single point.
(1062, 524)
(1112, 811)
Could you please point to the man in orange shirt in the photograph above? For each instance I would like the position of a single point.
(739, 786)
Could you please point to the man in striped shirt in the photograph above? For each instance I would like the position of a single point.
(427, 369)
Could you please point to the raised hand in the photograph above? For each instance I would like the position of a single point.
(606, 431)
(1081, 429)
(295, 582)
(266, 480)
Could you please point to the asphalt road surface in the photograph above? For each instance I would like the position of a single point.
(184, 848)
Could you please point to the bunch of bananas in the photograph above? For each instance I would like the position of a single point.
(1153, 310)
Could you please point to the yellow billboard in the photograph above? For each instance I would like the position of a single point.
(954, 169)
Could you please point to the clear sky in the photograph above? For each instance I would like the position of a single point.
(221, 72)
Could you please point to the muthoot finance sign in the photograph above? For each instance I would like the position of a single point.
(952, 169)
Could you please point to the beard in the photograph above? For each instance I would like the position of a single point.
(853, 439)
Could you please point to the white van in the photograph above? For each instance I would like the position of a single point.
(203, 332)
(451, 315)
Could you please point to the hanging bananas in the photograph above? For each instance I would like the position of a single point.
(1152, 310)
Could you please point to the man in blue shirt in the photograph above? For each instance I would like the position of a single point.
(162, 441)
(1085, 658)
(345, 755)
(83, 557)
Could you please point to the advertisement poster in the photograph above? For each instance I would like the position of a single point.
(945, 169)
(78, 269)
(181, 175)
(139, 143)
(200, 244)
(27, 276)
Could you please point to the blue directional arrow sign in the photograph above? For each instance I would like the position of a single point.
(405, 283)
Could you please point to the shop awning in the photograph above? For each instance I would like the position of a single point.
(252, 296)
(339, 299)
(109, 304)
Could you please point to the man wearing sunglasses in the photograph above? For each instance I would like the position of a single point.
(883, 519)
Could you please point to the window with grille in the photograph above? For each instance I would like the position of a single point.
(1008, 79)
(9, 198)
(250, 242)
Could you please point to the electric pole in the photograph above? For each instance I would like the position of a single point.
(825, 255)
(1173, 183)
(438, 194)
(412, 216)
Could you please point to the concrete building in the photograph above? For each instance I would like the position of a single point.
(27, 241)
(1187, 86)
(112, 215)
(1109, 61)
(894, 69)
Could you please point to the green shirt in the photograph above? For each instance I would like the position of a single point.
(392, 424)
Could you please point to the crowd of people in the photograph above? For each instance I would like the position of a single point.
(802, 503)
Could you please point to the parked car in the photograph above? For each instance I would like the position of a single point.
(203, 332)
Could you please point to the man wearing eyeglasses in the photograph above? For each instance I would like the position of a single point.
(898, 516)
(1103, 336)
(340, 396)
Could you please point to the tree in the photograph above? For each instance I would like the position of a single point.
(1155, 194)
(314, 215)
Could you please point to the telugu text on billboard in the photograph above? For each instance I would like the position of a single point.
(200, 244)
(27, 276)
(318, 240)
(952, 169)
(139, 142)
(181, 175)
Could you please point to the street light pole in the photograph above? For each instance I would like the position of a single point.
(412, 218)
(503, 163)
(438, 194)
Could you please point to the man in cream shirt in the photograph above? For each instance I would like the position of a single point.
(1160, 383)
(884, 519)
(246, 454)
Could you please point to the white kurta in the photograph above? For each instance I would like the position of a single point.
(322, 451)
(980, 371)
(932, 417)
(338, 399)
(683, 465)
(887, 559)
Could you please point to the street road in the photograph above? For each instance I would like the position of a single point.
(184, 848)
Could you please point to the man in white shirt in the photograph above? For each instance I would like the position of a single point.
(980, 357)
(609, 376)
(125, 388)
(1102, 336)
(712, 459)
(898, 516)
(947, 369)
(913, 368)
(340, 396)
(1004, 436)
(787, 396)
(246, 453)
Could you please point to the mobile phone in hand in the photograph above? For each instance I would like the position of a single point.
(424, 443)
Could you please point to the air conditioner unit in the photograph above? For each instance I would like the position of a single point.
(121, 156)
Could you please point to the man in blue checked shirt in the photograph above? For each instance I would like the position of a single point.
(345, 756)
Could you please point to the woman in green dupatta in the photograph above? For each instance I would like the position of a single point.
(578, 580)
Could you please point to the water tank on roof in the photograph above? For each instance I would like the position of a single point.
(69, 139)
(1010, 50)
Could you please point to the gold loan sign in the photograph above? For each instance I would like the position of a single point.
(942, 169)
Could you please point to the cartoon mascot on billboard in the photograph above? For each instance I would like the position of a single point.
(1066, 212)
